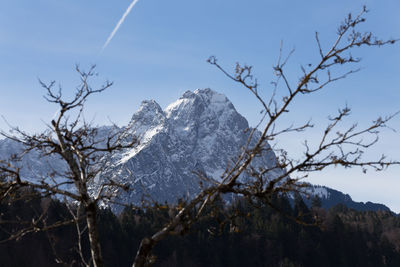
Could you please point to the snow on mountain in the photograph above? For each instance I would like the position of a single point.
(33, 165)
(320, 191)
(331, 197)
(200, 132)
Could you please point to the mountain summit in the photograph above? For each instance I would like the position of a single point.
(200, 132)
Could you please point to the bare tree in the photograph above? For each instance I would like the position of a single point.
(336, 147)
(77, 143)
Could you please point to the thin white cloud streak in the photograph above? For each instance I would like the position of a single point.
(119, 23)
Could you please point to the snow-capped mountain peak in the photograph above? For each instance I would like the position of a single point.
(200, 132)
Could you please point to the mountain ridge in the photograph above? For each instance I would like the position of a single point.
(200, 132)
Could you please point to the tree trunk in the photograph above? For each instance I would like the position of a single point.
(91, 214)
(142, 256)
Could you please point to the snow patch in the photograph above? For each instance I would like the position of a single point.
(319, 191)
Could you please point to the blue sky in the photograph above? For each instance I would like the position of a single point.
(161, 49)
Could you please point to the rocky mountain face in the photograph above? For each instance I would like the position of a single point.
(200, 132)
(331, 197)
(32, 165)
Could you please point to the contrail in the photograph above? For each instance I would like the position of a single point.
(119, 23)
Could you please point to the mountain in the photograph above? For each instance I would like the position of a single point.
(200, 132)
(32, 165)
(331, 197)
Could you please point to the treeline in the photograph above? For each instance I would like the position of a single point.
(288, 233)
